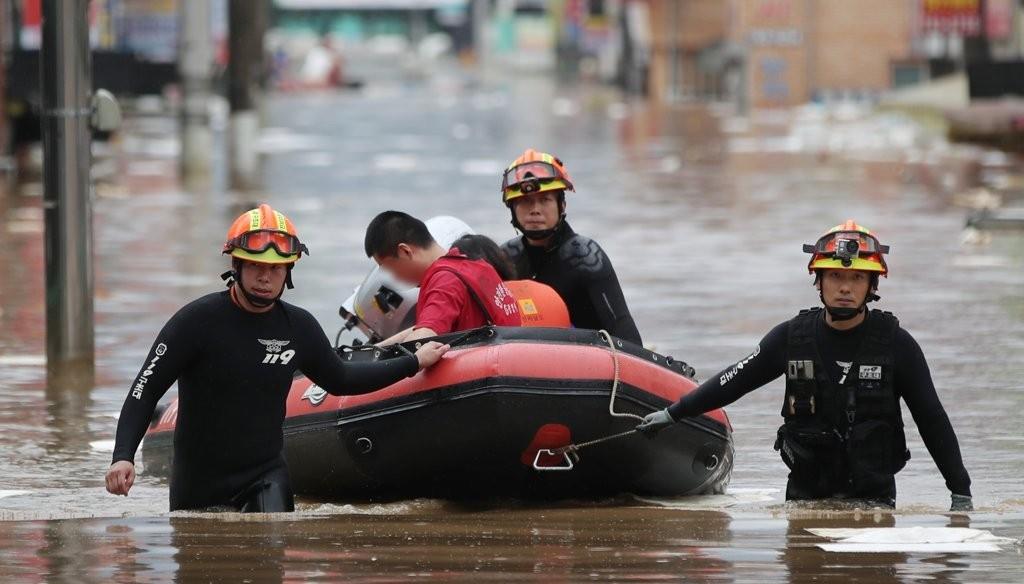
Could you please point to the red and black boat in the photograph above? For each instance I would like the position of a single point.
(490, 419)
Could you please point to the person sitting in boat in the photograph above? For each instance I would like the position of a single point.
(549, 251)
(456, 292)
(539, 304)
(234, 354)
(846, 369)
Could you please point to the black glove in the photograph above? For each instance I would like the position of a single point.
(961, 503)
(655, 422)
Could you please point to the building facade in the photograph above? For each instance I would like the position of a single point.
(780, 53)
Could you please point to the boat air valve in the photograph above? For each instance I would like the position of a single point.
(711, 462)
(364, 444)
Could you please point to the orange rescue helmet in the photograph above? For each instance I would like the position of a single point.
(848, 246)
(265, 236)
(534, 172)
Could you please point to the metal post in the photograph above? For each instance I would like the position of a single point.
(417, 27)
(65, 74)
(246, 27)
(196, 60)
(481, 19)
(678, 84)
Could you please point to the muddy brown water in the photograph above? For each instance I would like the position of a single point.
(703, 214)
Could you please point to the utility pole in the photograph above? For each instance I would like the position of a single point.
(976, 47)
(246, 23)
(65, 74)
(481, 18)
(196, 60)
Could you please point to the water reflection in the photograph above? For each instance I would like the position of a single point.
(494, 544)
(806, 563)
(551, 544)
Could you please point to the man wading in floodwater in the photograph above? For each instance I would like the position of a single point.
(234, 354)
(846, 369)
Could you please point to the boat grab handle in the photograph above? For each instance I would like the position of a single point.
(569, 462)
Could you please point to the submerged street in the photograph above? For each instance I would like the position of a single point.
(703, 213)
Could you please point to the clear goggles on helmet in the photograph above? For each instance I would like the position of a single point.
(529, 176)
(261, 240)
(847, 244)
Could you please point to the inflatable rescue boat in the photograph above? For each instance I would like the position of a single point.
(535, 413)
(499, 416)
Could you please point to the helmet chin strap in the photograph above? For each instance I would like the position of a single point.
(841, 314)
(539, 234)
(233, 277)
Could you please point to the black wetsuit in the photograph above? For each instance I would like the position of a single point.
(234, 369)
(579, 270)
(912, 382)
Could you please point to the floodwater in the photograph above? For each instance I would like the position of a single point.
(702, 212)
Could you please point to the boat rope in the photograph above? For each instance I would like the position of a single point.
(575, 447)
(615, 381)
(571, 452)
(572, 448)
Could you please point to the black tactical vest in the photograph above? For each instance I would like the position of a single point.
(842, 438)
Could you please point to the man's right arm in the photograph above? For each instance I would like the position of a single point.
(765, 364)
(171, 351)
(444, 298)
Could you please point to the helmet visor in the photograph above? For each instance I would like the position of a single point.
(531, 173)
(847, 244)
(264, 239)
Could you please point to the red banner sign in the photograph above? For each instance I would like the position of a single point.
(960, 17)
(999, 19)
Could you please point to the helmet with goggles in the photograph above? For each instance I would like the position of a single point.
(534, 172)
(265, 236)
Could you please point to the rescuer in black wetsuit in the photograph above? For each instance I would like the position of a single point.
(846, 369)
(234, 354)
(550, 252)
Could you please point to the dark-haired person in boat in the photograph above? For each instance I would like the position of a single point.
(846, 369)
(539, 304)
(456, 292)
(234, 354)
(549, 251)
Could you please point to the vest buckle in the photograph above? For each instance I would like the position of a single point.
(802, 407)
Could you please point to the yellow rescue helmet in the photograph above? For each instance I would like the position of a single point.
(534, 172)
(848, 246)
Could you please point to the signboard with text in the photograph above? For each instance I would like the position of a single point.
(956, 17)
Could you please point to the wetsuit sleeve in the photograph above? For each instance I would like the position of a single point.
(174, 347)
(609, 302)
(766, 363)
(325, 367)
(914, 383)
